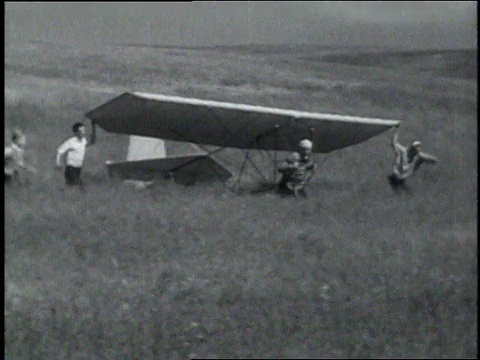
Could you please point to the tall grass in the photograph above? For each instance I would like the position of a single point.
(354, 271)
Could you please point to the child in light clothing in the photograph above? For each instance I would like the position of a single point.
(15, 157)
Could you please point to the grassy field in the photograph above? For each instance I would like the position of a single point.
(172, 272)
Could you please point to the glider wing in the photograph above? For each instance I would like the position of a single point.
(232, 125)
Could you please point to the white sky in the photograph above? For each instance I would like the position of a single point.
(394, 24)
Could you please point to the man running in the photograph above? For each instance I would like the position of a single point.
(73, 149)
(407, 161)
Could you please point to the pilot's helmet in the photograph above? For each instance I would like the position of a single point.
(305, 144)
(416, 144)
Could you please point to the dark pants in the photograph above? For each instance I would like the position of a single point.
(11, 178)
(396, 183)
(282, 185)
(72, 175)
(8, 178)
(284, 190)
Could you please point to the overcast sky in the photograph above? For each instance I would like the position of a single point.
(393, 24)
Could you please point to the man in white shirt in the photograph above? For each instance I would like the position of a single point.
(73, 150)
(407, 161)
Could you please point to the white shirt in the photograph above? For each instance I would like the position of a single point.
(75, 150)
(13, 158)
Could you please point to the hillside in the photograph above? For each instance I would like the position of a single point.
(451, 64)
(354, 271)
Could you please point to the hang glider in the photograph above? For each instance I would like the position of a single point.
(232, 125)
(226, 125)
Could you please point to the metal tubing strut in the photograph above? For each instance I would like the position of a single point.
(208, 153)
(260, 140)
(247, 157)
(275, 156)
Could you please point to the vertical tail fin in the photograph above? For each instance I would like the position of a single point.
(143, 148)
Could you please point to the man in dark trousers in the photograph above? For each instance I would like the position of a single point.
(73, 150)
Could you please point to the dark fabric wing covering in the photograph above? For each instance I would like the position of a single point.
(232, 125)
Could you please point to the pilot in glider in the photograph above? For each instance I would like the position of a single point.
(226, 125)
(297, 170)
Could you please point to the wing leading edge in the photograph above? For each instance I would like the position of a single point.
(232, 125)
